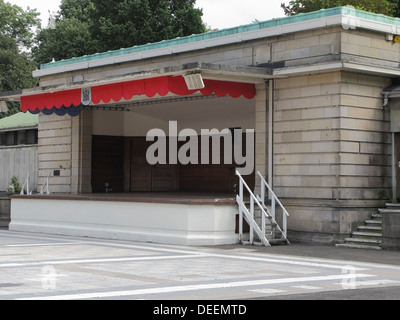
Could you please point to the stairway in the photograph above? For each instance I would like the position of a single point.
(259, 214)
(368, 235)
(273, 232)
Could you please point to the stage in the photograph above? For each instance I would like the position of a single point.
(170, 218)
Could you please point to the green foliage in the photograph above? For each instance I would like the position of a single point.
(17, 34)
(14, 185)
(18, 24)
(90, 26)
(386, 7)
(15, 67)
(69, 38)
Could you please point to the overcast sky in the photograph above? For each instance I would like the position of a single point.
(217, 13)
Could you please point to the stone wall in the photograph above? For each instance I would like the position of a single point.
(5, 203)
(19, 161)
(331, 151)
(290, 50)
(65, 146)
(391, 230)
(55, 147)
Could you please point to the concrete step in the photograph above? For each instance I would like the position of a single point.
(370, 228)
(364, 241)
(357, 246)
(375, 222)
(393, 205)
(389, 210)
(366, 234)
(277, 241)
(369, 235)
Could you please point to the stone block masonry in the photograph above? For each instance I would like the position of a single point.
(4, 209)
(54, 148)
(332, 153)
(391, 227)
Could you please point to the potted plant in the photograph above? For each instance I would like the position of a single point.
(14, 187)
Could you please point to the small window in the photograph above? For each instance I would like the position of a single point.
(20, 137)
(11, 138)
(31, 137)
(2, 139)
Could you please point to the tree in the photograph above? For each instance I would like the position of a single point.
(397, 7)
(386, 7)
(69, 38)
(18, 24)
(102, 25)
(17, 29)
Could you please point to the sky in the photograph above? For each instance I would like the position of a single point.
(218, 14)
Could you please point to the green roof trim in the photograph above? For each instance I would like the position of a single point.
(19, 120)
(227, 32)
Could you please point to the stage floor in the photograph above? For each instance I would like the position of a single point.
(147, 197)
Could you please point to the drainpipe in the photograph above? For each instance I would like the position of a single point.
(270, 132)
(393, 151)
(394, 178)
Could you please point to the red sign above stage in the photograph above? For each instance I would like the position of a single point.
(126, 90)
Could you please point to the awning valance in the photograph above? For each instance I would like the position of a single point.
(126, 90)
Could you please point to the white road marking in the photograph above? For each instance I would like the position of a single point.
(308, 262)
(103, 260)
(198, 287)
(380, 282)
(51, 244)
(296, 261)
(262, 257)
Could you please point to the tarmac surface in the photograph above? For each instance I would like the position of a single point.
(92, 269)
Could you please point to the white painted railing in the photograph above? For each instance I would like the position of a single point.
(274, 200)
(46, 184)
(249, 214)
(26, 184)
(267, 213)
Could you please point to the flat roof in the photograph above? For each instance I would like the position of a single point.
(348, 17)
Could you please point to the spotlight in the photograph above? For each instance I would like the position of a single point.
(194, 81)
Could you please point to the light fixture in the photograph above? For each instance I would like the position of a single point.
(389, 37)
(194, 81)
(386, 100)
(3, 106)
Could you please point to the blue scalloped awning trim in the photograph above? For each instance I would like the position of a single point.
(72, 111)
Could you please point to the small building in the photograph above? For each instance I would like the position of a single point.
(18, 156)
(18, 149)
(310, 86)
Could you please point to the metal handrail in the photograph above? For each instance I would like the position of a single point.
(26, 183)
(274, 199)
(46, 184)
(250, 213)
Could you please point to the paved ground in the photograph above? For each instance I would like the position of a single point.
(35, 266)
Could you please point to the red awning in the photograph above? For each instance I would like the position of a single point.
(126, 90)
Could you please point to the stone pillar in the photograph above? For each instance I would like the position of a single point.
(261, 128)
(81, 167)
(54, 152)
